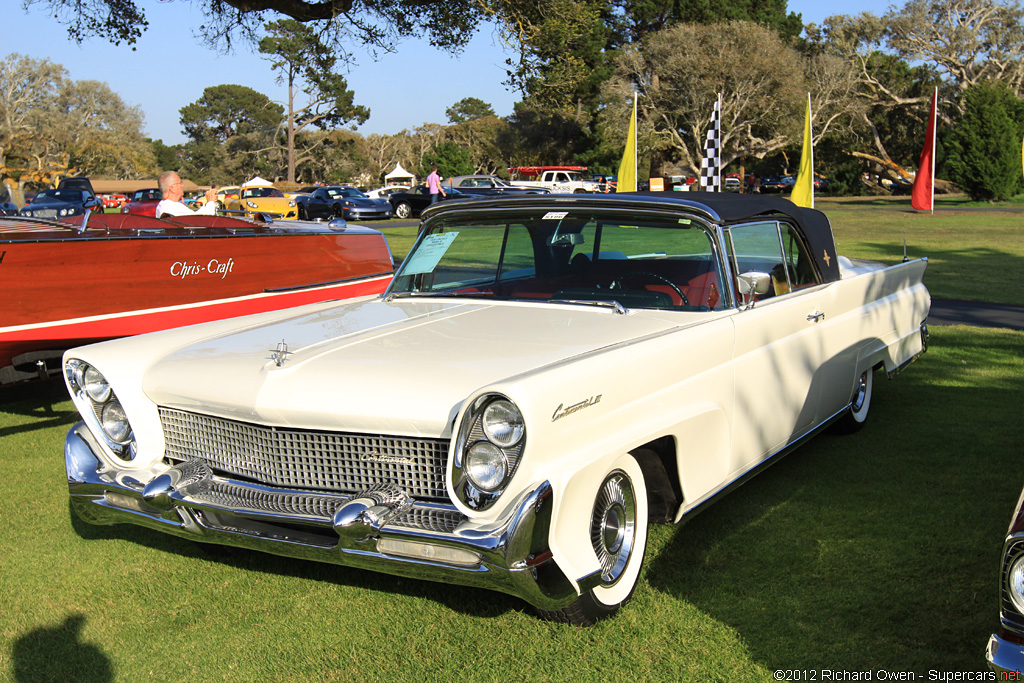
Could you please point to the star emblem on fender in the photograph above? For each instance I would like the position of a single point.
(828, 259)
(280, 354)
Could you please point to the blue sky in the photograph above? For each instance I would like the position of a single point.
(170, 67)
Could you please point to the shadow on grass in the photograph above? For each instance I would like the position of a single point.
(58, 654)
(37, 401)
(470, 601)
(876, 550)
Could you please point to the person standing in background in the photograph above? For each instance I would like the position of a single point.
(434, 184)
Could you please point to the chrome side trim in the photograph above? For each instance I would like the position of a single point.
(707, 499)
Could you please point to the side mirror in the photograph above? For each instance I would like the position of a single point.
(89, 205)
(753, 283)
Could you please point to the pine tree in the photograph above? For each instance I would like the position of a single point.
(984, 155)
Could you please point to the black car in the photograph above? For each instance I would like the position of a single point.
(58, 204)
(488, 185)
(340, 201)
(411, 202)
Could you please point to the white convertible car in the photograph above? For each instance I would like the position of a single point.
(545, 376)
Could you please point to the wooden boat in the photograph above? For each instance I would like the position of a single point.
(64, 285)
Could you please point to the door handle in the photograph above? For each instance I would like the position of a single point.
(816, 317)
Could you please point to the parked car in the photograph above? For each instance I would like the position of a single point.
(59, 203)
(76, 183)
(7, 207)
(254, 199)
(1005, 651)
(781, 184)
(386, 191)
(411, 202)
(544, 377)
(731, 184)
(143, 202)
(113, 201)
(341, 201)
(489, 185)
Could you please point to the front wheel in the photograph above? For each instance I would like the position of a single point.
(403, 210)
(618, 535)
(860, 404)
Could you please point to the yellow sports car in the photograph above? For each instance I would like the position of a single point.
(269, 201)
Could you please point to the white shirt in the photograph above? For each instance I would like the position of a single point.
(167, 207)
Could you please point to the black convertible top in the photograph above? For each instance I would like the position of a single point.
(737, 208)
(725, 207)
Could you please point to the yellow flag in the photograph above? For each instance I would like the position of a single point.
(627, 169)
(803, 189)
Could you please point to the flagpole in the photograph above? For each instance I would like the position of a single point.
(935, 123)
(636, 171)
(718, 168)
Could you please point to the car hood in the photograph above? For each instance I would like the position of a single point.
(400, 367)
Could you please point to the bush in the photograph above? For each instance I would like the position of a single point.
(984, 153)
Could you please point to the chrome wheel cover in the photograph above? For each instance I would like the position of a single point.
(613, 526)
(860, 393)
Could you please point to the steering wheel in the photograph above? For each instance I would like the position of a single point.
(617, 282)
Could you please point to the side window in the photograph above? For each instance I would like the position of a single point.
(758, 248)
(801, 267)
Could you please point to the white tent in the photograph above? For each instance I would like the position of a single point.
(398, 176)
(257, 182)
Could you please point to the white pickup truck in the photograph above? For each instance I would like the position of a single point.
(557, 180)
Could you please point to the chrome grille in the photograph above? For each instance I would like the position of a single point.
(303, 459)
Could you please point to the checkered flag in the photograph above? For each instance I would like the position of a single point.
(710, 174)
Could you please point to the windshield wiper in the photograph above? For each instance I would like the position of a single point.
(403, 295)
(606, 303)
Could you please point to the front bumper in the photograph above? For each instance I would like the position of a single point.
(381, 529)
(1004, 656)
(366, 214)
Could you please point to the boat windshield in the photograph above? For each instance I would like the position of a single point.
(581, 255)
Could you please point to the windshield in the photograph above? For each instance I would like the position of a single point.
(585, 255)
(58, 196)
(257, 192)
(345, 192)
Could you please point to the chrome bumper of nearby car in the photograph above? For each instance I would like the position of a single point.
(378, 529)
(1004, 656)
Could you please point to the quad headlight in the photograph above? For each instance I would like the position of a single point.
(486, 466)
(1015, 583)
(502, 423)
(100, 408)
(489, 445)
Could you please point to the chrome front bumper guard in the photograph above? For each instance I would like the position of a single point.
(370, 530)
(1004, 656)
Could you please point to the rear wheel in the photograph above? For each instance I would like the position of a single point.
(302, 213)
(860, 404)
(618, 535)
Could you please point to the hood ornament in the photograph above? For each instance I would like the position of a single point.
(280, 354)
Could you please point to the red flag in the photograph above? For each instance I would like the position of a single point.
(923, 195)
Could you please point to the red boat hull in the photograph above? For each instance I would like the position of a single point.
(62, 288)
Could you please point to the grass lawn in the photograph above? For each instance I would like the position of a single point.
(975, 251)
(876, 551)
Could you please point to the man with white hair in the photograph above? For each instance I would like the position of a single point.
(173, 190)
